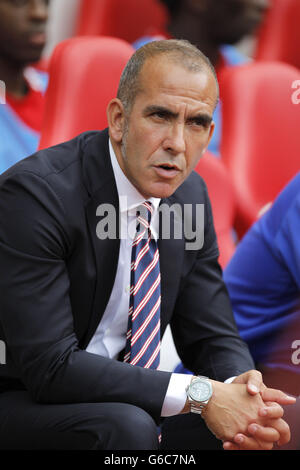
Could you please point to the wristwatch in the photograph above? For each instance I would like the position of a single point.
(199, 393)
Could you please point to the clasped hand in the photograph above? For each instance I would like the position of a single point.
(246, 415)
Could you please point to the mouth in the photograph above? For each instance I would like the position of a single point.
(167, 170)
(37, 39)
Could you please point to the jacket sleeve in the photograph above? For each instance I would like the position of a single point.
(36, 314)
(203, 325)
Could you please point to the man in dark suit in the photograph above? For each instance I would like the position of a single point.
(65, 278)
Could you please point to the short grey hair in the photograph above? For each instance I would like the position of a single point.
(179, 51)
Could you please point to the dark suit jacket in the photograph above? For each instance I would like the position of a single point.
(56, 277)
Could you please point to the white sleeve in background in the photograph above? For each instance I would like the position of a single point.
(176, 395)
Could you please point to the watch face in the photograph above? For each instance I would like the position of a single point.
(200, 390)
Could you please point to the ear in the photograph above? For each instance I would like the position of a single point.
(116, 118)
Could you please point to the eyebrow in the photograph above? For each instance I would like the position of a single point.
(201, 118)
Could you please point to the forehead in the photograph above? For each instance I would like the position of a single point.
(165, 80)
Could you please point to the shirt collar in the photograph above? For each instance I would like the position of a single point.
(129, 196)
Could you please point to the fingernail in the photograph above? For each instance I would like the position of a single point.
(263, 412)
(239, 439)
(290, 398)
(254, 428)
(253, 388)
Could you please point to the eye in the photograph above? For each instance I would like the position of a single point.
(199, 123)
(19, 3)
(160, 115)
(22, 3)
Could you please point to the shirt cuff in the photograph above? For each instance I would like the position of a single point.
(176, 395)
(230, 380)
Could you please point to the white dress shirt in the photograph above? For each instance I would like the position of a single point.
(110, 337)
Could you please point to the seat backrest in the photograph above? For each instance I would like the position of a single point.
(128, 19)
(278, 37)
(260, 140)
(84, 75)
(221, 193)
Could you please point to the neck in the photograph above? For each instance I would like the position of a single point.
(12, 74)
(189, 27)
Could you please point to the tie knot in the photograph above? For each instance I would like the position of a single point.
(145, 213)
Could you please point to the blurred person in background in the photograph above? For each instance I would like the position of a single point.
(213, 27)
(22, 39)
(263, 279)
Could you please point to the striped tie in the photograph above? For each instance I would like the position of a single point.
(143, 333)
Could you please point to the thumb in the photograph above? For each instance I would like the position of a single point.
(253, 387)
(255, 382)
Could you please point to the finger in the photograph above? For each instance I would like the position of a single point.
(283, 428)
(230, 446)
(272, 410)
(263, 433)
(271, 394)
(250, 443)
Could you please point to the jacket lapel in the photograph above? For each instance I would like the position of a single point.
(171, 254)
(101, 185)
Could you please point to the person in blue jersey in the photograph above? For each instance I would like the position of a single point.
(22, 39)
(213, 29)
(263, 279)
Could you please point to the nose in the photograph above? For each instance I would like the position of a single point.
(262, 5)
(174, 142)
(38, 10)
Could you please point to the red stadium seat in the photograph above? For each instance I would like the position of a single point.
(221, 193)
(84, 76)
(279, 38)
(260, 139)
(128, 19)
